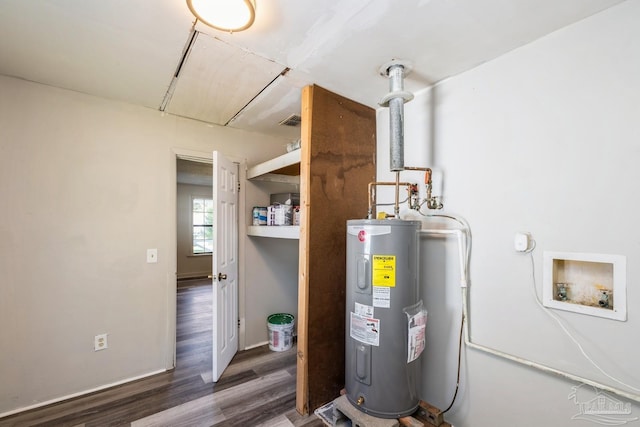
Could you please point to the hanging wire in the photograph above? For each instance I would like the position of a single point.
(455, 393)
(465, 253)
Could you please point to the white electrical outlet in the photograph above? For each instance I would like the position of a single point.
(100, 342)
(152, 255)
(521, 242)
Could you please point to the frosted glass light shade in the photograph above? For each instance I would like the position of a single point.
(225, 15)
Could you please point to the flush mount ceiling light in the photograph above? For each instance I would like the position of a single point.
(225, 15)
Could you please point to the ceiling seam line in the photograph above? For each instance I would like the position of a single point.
(174, 80)
(282, 73)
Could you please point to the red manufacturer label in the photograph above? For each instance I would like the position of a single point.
(362, 236)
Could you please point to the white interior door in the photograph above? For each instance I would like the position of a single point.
(225, 263)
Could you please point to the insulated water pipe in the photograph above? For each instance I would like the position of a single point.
(395, 99)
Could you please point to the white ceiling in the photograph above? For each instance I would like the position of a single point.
(132, 50)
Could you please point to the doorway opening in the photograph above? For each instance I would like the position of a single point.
(194, 310)
(216, 241)
(194, 188)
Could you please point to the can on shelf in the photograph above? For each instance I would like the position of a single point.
(259, 215)
(296, 215)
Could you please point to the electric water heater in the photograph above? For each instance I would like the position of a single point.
(385, 321)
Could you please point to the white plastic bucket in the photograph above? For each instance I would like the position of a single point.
(280, 327)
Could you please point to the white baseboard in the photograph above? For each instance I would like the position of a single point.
(197, 275)
(81, 393)
(260, 344)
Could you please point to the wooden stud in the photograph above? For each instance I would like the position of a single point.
(302, 388)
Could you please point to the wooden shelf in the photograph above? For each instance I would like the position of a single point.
(274, 231)
(284, 168)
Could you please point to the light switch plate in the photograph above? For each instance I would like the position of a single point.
(152, 255)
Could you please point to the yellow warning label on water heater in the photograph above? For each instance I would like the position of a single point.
(384, 270)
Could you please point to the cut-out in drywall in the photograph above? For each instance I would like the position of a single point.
(592, 284)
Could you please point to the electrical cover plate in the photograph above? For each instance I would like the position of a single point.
(592, 284)
(521, 242)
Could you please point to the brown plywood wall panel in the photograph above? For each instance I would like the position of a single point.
(337, 163)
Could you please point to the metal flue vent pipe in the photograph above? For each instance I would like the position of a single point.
(395, 99)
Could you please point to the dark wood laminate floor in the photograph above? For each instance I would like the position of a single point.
(257, 389)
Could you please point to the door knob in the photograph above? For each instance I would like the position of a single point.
(221, 277)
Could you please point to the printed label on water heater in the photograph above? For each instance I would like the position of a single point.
(384, 270)
(363, 310)
(416, 341)
(382, 296)
(365, 329)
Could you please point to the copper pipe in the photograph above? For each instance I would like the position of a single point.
(427, 175)
(372, 197)
(432, 202)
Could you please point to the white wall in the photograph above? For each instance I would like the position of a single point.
(543, 139)
(190, 265)
(87, 186)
